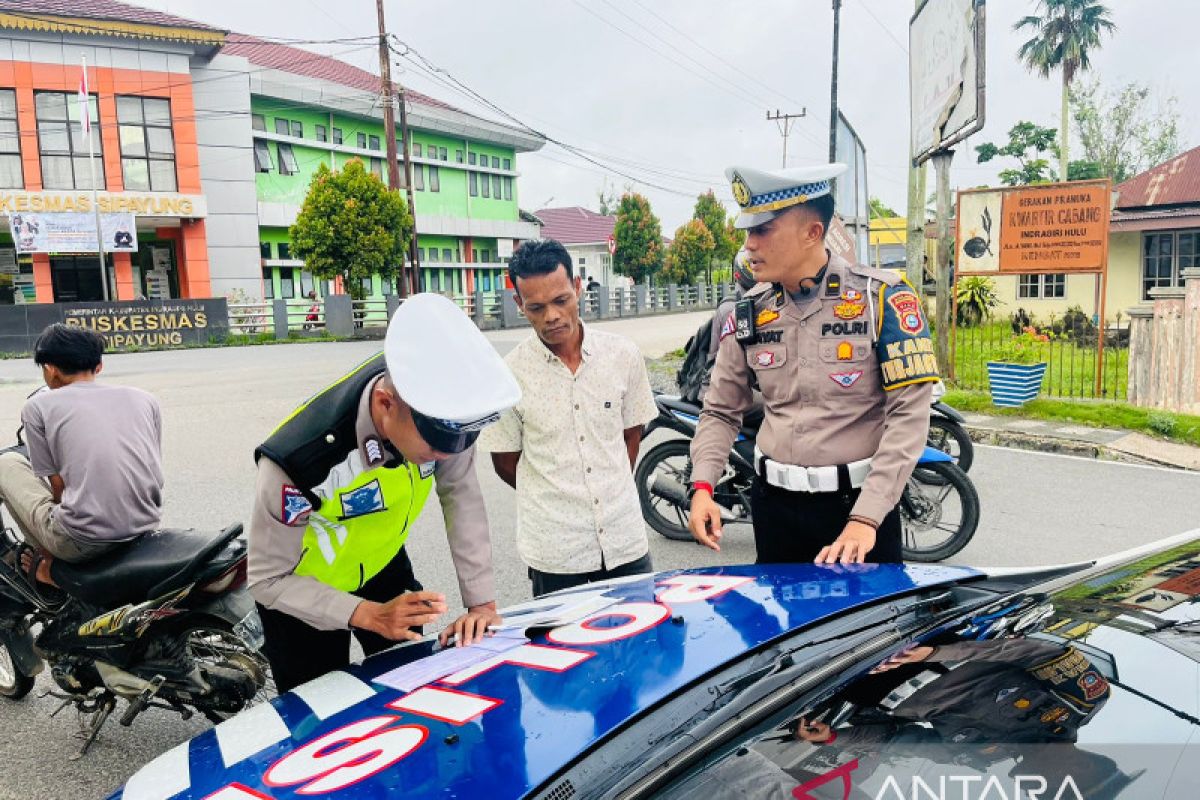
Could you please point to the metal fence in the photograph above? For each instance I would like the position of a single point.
(1069, 347)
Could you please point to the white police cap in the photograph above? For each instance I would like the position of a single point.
(443, 366)
(763, 194)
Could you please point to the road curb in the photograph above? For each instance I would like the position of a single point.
(1055, 444)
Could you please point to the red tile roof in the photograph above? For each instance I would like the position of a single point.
(312, 65)
(100, 10)
(1173, 182)
(1155, 219)
(575, 225)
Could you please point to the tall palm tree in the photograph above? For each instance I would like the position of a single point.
(1065, 32)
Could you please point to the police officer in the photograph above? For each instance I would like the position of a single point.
(342, 480)
(842, 355)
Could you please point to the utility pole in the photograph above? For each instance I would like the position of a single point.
(833, 83)
(914, 243)
(405, 140)
(389, 127)
(784, 121)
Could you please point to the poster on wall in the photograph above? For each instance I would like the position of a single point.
(71, 232)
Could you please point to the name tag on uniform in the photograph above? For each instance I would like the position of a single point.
(427, 469)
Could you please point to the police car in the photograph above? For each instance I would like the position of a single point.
(804, 681)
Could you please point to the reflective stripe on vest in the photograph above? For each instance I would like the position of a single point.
(361, 525)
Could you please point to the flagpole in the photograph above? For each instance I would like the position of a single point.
(85, 122)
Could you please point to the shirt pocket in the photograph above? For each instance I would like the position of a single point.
(847, 363)
(768, 362)
(845, 351)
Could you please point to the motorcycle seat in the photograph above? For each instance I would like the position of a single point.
(679, 404)
(150, 566)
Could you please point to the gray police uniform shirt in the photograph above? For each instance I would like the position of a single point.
(105, 442)
(276, 546)
(847, 375)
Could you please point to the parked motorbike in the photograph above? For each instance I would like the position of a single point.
(162, 622)
(938, 519)
(947, 432)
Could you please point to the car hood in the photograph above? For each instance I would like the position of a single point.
(503, 726)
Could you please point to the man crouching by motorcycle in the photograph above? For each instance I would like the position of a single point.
(93, 478)
(343, 479)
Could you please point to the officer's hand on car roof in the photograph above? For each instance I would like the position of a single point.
(394, 619)
(851, 547)
(705, 520)
(472, 626)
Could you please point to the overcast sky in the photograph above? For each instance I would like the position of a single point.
(672, 91)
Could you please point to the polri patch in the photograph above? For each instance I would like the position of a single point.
(846, 379)
(764, 358)
(1093, 685)
(908, 312)
(366, 499)
(845, 351)
(852, 296)
(295, 505)
(849, 310)
(766, 316)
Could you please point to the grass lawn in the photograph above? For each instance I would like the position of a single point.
(1070, 371)
(1182, 428)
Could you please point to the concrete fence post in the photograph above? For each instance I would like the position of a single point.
(673, 296)
(339, 316)
(604, 294)
(393, 302)
(279, 315)
(479, 315)
(641, 298)
(510, 315)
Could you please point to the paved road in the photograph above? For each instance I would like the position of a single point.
(219, 403)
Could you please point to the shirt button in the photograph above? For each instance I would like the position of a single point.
(577, 406)
(581, 438)
(802, 324)
(804, 362)
(596, 501)
(589, 469)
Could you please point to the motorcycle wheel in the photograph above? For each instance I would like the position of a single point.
(938, 520)
(952, 439)
(212, 643)
(673, 459)
(14, 684)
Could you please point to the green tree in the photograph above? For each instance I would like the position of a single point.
(639, 239)
(879, 209)
(1123, 132)
(690, 254)
(736, 236)
(606, 200)
(710, 211)
(351, 226)
(1026, 143)
(1065, 33)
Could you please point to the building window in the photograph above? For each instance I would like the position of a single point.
(473, 184)
(495, 162)
(368, 289)
(283, 127)
(475, 254)
(433, 254)
(447, 254)
(258, 122)
(361, 139)
(485, 185)
(64, 150)
(147, 144)
(421, 253)
(487, 255)
(435, 179)
(285, 251)
(264, 249)
(385, 285)
(508, 188)
(1042, 287)
(458, 156)
(287, 283)
(268, 284)
(416, 149)
(262, 156)
(322, 133)
(419, 177)
(372, 142)
(471, 159)
(287, 160)
(1164, 257)
(508, 164)
(583, 261)
(306, 282)
(442, 154)
(11, 174)
(297, 129)
(377, 168)
(496, 191)
(337, 135)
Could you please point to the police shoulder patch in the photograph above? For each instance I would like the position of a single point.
(727, 328)
(295, 506)
(904, 348)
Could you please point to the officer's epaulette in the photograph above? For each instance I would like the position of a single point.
(885, 276)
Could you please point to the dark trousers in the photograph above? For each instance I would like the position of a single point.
(298, 652)
(792, 527)
(547, 582)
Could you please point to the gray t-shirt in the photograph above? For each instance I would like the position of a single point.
(105, 442)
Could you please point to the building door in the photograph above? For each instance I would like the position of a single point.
(158, 279)
(76, 279)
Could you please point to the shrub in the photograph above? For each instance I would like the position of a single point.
(976, 297)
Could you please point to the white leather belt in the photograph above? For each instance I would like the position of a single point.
(808, 479)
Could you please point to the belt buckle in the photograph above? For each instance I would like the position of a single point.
(813, 476)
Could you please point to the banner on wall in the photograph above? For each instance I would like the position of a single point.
(72, 232)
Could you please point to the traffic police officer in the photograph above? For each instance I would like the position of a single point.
(342, 480)
(842, 355)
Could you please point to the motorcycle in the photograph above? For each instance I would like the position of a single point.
(948, 434)
(163, 622)
(938, 519)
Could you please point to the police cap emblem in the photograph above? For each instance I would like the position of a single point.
(741, 192)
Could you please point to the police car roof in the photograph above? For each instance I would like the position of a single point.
(502, 731)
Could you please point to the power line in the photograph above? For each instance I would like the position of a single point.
(863, 5)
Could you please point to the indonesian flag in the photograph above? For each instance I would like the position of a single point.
(85, 117)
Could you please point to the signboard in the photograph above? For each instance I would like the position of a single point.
(71, 232)
(839, 241)
(125, 325)
(1050, 228)
(146, 204)
(612, 245)
(946, 74)
(850, 190)
(504, 248)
